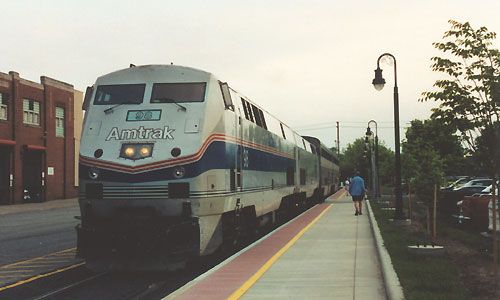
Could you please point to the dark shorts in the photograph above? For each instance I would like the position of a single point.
(358, 198)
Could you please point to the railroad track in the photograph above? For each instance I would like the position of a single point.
(60, 291)
(76, 282)
(83, 284)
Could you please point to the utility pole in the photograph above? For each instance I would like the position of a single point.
(338, 141)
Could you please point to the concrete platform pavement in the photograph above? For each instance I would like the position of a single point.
(334, 259)
(28, 207)
(326, 253)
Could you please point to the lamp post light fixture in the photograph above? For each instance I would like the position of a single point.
(379, 82)
(375, 176)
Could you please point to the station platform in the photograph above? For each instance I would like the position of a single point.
(325, 253)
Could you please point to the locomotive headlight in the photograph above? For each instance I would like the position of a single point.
(145, 151)
(129, 151)
(94, 173)
(136, 151)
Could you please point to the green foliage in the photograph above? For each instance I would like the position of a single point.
(386, 168)
(425, 151)
(356, 158)
(442, 139)
(488, 149)
(469, 96)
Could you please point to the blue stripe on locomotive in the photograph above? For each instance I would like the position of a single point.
(212, 159)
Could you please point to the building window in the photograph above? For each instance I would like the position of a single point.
(31, 112)
(59, 121)
(3, 106)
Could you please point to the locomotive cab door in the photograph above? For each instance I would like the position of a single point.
(235, 170)
(239, 151)
(238, 129)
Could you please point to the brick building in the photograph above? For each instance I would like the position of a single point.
(40, 127)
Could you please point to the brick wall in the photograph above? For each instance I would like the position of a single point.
(56, 153)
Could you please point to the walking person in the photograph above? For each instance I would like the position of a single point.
(357, 191)
(346, 186)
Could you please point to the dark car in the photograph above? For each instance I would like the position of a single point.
(457, 183)
(449, 198)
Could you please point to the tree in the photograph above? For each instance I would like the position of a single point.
(355, 158)
(443, 140)
(469, 98)
(424, 154)
(422, 160)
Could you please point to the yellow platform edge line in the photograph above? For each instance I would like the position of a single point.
(37, 258)
(39, 276)
(253, 279)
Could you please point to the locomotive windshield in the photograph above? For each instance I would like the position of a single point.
(178, 92)
(119, 94)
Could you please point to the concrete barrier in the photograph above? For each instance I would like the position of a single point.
(392, 286)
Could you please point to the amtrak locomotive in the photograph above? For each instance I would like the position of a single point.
(175, 164)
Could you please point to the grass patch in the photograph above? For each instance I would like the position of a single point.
(421, 277)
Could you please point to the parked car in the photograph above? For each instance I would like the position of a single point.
(475, 209)
(461, 180)
(449, 198)
(478, 209)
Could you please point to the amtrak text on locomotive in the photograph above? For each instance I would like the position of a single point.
(141, 133)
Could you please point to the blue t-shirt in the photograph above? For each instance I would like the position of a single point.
(357, 186)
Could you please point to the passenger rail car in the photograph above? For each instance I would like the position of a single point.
(329, 167)
(175, 164)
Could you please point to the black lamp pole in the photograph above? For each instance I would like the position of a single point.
(377, 183)
(378, 83)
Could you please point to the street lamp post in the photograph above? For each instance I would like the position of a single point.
(378, 82)
(376, 182)
(369, 145)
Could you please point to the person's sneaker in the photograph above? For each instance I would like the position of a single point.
(356, 213)
(360, 213)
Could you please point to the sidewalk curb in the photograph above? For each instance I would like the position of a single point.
(391, 281)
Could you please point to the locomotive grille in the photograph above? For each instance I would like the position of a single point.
(134, 192)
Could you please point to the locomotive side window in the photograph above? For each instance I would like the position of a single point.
(282, 131)
(178, 92)
(119, 94)
(226, 95)
(243, 102)
(256, 115)
(264, 125)
(249, 109)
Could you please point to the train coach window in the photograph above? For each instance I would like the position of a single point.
(178, 92)
(119, 94)
(313, 149)
(290, 176)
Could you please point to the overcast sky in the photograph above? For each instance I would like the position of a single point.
(309, 63)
